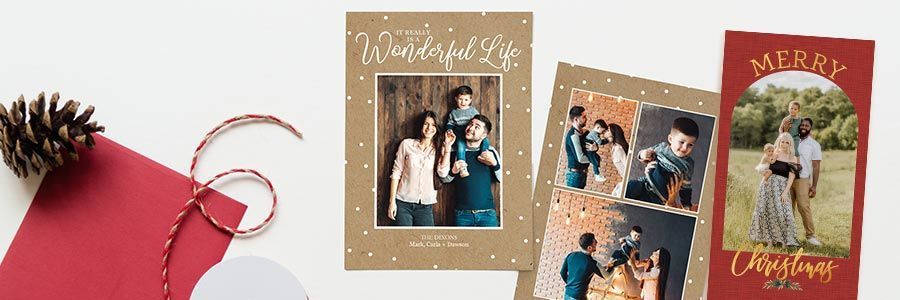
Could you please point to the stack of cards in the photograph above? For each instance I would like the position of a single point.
(644, 187)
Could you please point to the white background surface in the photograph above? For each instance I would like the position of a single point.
(162, 73)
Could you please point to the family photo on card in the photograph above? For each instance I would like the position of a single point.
(438, 138)
(791, 166)
(670, 150)
(612, 250)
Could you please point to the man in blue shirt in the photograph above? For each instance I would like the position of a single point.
(577, 161)
(579, 267)
(474, 197)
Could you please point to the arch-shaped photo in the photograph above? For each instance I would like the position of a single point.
(791, 167)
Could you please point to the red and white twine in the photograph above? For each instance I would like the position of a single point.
(200, 189)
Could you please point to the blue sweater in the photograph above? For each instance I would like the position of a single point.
(571, 154)
(474, 192)
(577, 271)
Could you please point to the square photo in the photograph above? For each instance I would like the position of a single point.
(602, 249)
(596, 143)
(671, 154)
(438, 151)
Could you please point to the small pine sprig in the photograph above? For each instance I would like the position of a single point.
(782, 284)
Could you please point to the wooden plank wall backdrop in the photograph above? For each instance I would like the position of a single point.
(401, 99)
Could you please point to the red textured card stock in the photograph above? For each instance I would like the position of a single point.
(96, 229)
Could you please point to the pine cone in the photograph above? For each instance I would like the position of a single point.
(47, 132)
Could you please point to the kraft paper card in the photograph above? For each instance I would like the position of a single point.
(438, 139)
(624, 192)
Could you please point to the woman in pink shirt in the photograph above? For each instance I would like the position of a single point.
(653, 274)
(413, 189)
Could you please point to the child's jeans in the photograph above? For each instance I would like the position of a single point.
(461, 147)
(594, 158)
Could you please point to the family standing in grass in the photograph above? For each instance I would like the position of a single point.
(790, 171)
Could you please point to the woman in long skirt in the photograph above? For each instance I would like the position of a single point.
(773, 217)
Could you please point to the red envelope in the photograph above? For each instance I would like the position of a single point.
(97, 226)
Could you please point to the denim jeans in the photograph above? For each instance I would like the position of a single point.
(483, 218)
(576, 179)
(414, 214)
(461, 146)
(638, 190)
(594, 158)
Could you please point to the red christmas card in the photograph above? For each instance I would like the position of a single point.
(96, 227)
(795, 118)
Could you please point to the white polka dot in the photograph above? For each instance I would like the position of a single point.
(361, 144)
(362, 77)
(370, 254)
(373, 190)
(561, 87)
(523, 88)
(549, 182)
(608, 79)
(365, 232)
(550, 145)
(702, 221)
(483, 13)
(394, 258)
(537, 240)
(507, 106)
(700, 258)
(524, 21)
(357, 208)
(345, 162)
(528, 110)
(366, 166)
(369, 101)
(493, 256)
(520, 152)
(516, 65)
(561, 123)
(538, 204)
(521, 218)
(584, 82)
(700, 103)
(666, 91)
(349, 250)
(450, 30)
(426, 25)
(513, 260)
(690, 281)
(572, 65)
(507, 172)
(385, 17)
(643, 92)
(434, 267)
(349, 97)
(348, 32)
(525, 241)
(678, 107)
(528, 176)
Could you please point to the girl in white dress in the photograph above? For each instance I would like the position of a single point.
(653, 274)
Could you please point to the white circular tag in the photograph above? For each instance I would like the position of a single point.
(248, 277)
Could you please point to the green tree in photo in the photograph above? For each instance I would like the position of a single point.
(758, 114)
